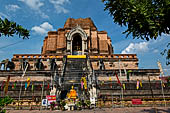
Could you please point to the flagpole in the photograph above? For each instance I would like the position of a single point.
(163, 92)
(32, 88)
(21, 83)
(122, 96)
(125, 75)
(151, 89)
(120, 69)
(121, 87)
(162, 75)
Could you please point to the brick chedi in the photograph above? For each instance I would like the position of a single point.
(93, 42)
(76, 51)
(79, 37)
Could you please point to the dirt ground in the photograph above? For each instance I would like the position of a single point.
(103, 110)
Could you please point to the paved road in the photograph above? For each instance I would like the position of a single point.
(103, 110)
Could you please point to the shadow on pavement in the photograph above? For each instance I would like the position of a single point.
(156, 110)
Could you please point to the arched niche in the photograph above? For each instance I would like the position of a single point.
(73, 37)
(77, 44)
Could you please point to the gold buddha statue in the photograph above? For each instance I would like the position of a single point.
(72, 94)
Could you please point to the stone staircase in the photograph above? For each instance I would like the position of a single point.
(74, 69)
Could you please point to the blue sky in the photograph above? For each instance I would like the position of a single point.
(40, 16)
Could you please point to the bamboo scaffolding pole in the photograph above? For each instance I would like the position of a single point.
(42, 93)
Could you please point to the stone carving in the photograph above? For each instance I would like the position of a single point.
(52, 64)
(23, 64)
(38, 65)
(4, 62)
(7, 64)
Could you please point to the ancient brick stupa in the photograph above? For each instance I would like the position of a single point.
(79, 50)
(79, 37)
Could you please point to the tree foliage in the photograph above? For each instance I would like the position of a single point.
(8, 28)
(144, 19)
(4, 102)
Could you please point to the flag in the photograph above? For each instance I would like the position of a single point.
(83, 79)
(85, 83)
(32, 87)
(140, 83)
(128, 77)
(111, 81)
(15, 85)
(118, 81)
(2, 85)
(82, 84)
(157, 84)
(163, 85)
(39, 87)
(6, 85)
(110, 78)
(28, 82)
(48, 86)
(25, 85)
(137, 85)
(124, 87)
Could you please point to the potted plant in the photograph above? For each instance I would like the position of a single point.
(88, 103)
(4, 102)
(79, 105)
(52, 105)
(62, 104)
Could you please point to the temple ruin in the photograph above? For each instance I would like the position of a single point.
(79, 50)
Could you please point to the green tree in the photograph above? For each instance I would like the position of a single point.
(144, 19)
(9, 28)
(4, 102)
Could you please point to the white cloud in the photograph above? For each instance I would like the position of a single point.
(35, 5)
(43, 28)
(43, 15)
(58, 4)
(136, 48)
(156, 51)
(46, 26)
(39, 30)
(12, 7)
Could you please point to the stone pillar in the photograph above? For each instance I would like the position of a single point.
(83, 46)
(69, 43)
